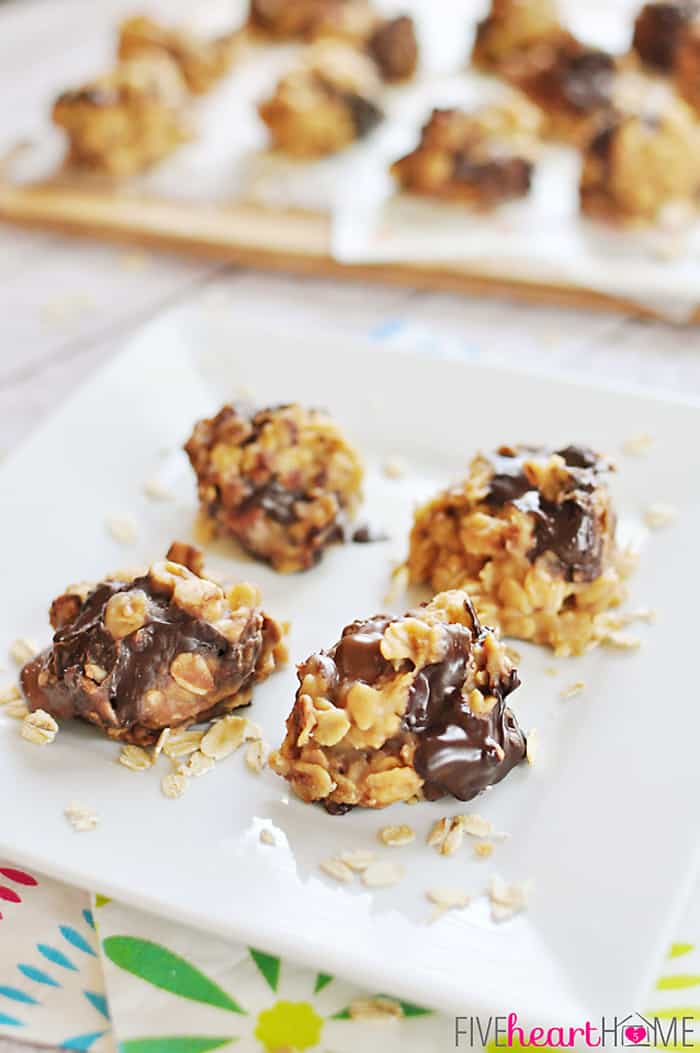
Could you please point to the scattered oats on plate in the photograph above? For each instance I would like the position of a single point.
(507, 899)
(255, 756)
(572, 689)
(9, 693)
(82, 819)
(660, 515)
(157, 490)
(382, 875)
(197, 764)
(483, 849)
(180, 743)
(447, 899)
(23, 650)
(39, 728)
(394, 468)
(223, 737)
(337, 869)
(476, 825)
(446, 835)
(358, 859)
(638, 445)
(135, 758)
(173, 785)
(397, 835)
(123, 529)
(621, 641)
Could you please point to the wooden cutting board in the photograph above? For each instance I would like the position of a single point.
(261, 238)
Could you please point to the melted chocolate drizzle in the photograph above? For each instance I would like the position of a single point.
(459, 752)
(364, 113)
(567, 528)
(500, 177)
(134, 664)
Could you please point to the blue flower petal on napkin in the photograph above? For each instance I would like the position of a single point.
(17, 996)
(38, 975)
(82, 1042)
(99, 1001)
(73, 937)
(10, 1021)
(52, 954)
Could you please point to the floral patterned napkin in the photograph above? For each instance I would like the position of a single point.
(83, 973)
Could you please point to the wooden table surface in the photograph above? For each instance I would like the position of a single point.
(67, 306)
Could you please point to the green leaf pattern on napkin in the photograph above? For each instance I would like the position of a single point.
(160, 967)
(282, 1025)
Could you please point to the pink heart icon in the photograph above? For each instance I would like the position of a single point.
(636, 1034)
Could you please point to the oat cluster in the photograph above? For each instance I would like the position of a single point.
(479, 158)
(324, 105)
(136, 655)
(530, 534)
(127, 119)
(201, 62)
(390, 43)
(284, 482)
(368, 717)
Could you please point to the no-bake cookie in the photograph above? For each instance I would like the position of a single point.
(282, 481)
(633, 166)
(134, 655)
(403, 707)
(479, 158)
(571, 82)
(512, 29)
(530, 533)
(658, 29)
(128, 119)
(201, 62)
(326, 104)
(390, 42)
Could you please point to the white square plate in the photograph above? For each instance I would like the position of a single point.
(605, 824)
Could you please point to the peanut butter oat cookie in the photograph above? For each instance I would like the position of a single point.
(571, 82)
(163, 649)
(328, 102)
(634, 165)
(512, 29)
(127, 119)
(201, 62)
(282, 481)
(479, 158)
(390, 42)
(403, 706)
(530, 533)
